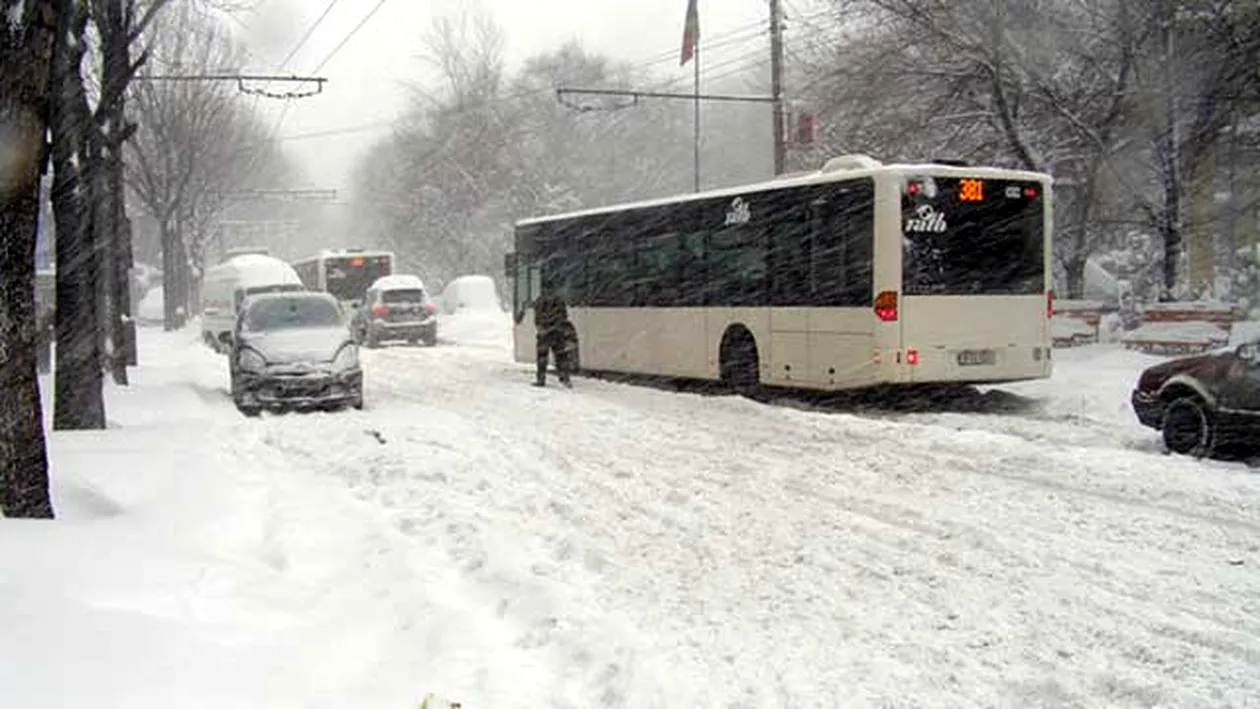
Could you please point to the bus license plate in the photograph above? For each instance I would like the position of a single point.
(976, 358)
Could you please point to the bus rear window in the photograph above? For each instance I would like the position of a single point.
(966, 236)
(350, 277)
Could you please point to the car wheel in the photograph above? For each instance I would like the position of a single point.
(1188, 428)
(250, 411)
(430, 340)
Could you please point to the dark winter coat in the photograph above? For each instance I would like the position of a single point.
(550, 312)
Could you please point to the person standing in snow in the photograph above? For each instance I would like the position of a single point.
(551, 322)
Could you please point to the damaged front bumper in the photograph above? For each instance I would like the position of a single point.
(1149, 409)
(288, 389)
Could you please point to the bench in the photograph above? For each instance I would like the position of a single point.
(1183, 328)
(1077, 322)
(1071, 332)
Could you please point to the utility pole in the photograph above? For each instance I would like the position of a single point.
(776, 85)
(696, 97)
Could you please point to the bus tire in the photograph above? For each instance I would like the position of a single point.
(740, 366)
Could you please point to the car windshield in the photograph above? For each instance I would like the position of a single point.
(402, 295)
(291, 313)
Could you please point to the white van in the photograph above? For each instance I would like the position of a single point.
(226, 286)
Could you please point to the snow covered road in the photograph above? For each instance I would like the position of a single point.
(776, 557)
(617, 545)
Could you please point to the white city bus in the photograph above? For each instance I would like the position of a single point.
(345, 274)
(860, 274)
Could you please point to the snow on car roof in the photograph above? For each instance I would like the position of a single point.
(292, 295)
(255, 269)
(398, 281)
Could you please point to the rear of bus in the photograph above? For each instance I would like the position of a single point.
(976, 298)
(348, 276)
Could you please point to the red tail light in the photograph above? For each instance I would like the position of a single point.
(886, 306)
(380, 309)
(430, 308)
(1050, 303)
(912, 357)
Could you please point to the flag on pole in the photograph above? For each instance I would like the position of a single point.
(691, 33)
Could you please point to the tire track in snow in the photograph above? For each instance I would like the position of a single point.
(1086, 568)
(602, 465)
(524, 591)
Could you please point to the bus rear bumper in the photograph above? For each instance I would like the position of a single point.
(974, 366)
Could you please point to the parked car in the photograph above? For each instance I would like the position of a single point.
(1203, 402)
(227, 285)
(471, 293)
(396, 308)
(293, 350)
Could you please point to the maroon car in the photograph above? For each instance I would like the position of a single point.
(1204, 402)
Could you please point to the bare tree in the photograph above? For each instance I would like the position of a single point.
(26, 45)
(88, 205)
(78, 401)
(480, 149)
(1049, 83)
(194, 137)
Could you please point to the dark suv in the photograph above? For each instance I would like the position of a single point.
(396, 308)
(1204, 402)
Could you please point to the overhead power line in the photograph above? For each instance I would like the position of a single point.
(309, 32)
(376, 8)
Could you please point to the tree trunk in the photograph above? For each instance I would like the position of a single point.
(112, 26)
(170, 277)
(1074, 266)
(78, 402)
(1170, 148)
(25, 56)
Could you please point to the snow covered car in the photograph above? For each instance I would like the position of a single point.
(1202, 402)
(294, 350)
(396, 308)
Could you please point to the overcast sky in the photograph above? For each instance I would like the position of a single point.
(366, 77)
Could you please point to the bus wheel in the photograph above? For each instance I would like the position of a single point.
(740, 366)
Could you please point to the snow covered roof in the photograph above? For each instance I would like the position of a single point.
(254, 269)
(1064, 327)
(1202, 306)
(475, 292)
(840, 170)
(398, 281)
(1187, 332)
(1069, 306)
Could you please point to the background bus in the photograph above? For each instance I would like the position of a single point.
(859, 274)
(346, 274)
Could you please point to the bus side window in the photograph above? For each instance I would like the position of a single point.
(843, 230)
(827, 262)
(736, 259)
(691, 270)
(520, 288)
(856, 221)
(789, 255)
(657, 275)
(609, 261)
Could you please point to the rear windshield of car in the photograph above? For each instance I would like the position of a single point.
(402, 295)
(291, 313)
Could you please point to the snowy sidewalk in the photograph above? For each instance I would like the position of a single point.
(192, 566)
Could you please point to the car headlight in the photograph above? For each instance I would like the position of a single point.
(251, 361)
(347, 358)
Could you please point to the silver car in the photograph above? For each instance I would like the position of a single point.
(294, 350)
